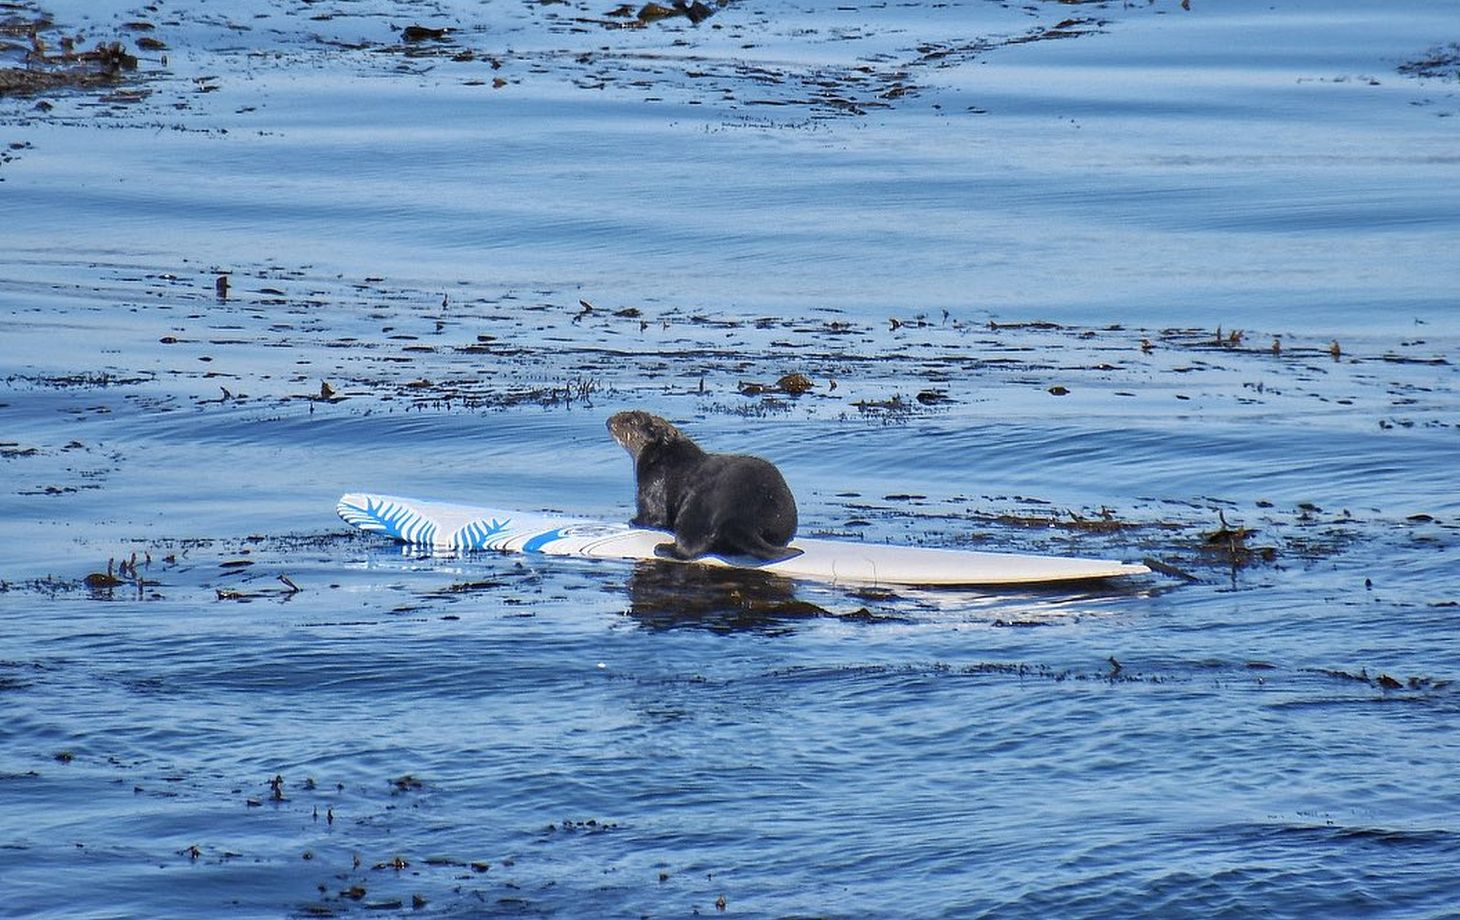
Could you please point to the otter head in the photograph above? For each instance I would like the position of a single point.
(636, 430)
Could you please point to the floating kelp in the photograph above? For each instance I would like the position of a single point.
(418, 33)
(790, 384)
(1441, 62)
(52, 63)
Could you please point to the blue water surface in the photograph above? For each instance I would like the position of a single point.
(1117, 280)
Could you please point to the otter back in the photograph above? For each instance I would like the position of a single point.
(726, 504)
(717, 503)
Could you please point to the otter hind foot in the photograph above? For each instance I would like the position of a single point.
(764, 555)
(673, 551)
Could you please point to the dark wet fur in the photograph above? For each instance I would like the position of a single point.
(725, 504)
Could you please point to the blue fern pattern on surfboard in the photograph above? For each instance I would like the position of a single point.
(376, 514)
(478, 534)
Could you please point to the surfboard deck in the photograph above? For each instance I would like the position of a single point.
(466, 528)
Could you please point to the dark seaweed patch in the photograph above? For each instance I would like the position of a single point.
(83, 380)
(1441, 62)
(1232, 545)
(1383, 681)
(826, 89)
(418, 33)
(53, 60)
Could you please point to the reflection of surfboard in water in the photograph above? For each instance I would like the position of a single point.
(461, 528)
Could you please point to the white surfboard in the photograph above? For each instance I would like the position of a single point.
(463, 528)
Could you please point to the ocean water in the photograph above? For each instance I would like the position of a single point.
(1123, 280)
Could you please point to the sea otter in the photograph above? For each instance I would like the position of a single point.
(726, 504)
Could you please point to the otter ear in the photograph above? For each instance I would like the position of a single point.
(658, 429)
